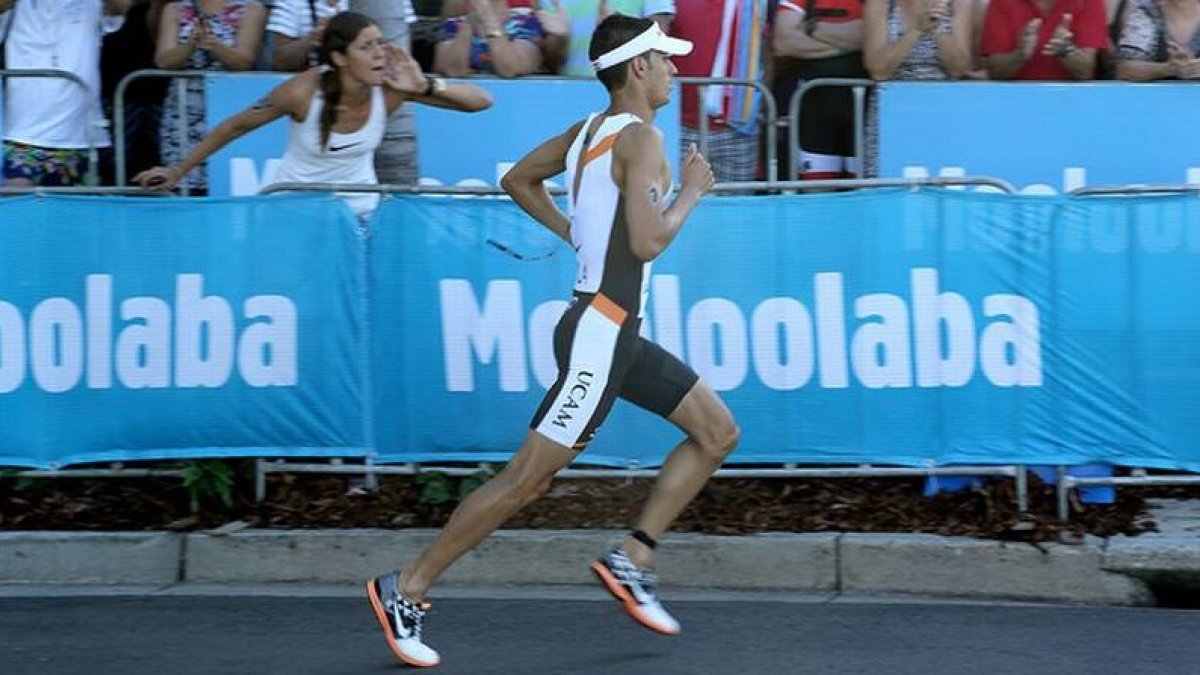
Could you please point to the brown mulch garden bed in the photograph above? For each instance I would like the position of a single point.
(726, 506)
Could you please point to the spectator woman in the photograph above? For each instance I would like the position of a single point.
(490, 38)
(917, 39)
(1160, 40)
(338, 112)
(210, 35)
(913, 40)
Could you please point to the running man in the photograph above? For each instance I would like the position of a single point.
(619, 222)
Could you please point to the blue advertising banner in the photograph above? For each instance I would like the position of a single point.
(1044, 138)
(140, 329)
(891, 327)
(916, 328)
(455, 148)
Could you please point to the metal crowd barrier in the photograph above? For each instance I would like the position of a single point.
(859, 89)
(770, 113)
(371, 471)
(1126, 190)
(180, 91)
(83, 190)
(92, 177)
(719, 188)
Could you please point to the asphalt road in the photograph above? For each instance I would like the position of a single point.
(328, 636)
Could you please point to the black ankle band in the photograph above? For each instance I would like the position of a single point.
(646, 539)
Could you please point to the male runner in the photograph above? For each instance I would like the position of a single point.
(619, 222)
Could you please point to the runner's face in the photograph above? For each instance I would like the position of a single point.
(659, 71)
(365, 57)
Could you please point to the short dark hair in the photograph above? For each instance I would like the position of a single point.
(613, 32)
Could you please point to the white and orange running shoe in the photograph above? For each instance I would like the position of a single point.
(635, 589)
(401, 621)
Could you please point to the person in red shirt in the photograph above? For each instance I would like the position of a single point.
(720, 30)
(1054, 40)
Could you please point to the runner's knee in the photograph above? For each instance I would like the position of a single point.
(526, 486)
(532, 489)
(719, 439)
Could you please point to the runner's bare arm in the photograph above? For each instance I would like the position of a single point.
(524, 182)
(637, 170)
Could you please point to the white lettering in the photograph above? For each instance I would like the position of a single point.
(831, 330)
(713, 323)
(880, 351)
(56, 338)
(776, 323)
(99, 330)
(144, 348)
(203, 335)
(666, 312)
(244, 178)
(941, 364)
(495, 330)
(267, 349)
(1020, 337)
(61, 343)
(12, 348)
(926, 340)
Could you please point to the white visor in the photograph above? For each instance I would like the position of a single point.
(653, 39)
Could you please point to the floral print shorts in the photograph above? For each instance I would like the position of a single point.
(46, 167)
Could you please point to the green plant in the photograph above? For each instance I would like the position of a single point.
(208, 480)
(437, 488)
(468, 484)
(20, 483)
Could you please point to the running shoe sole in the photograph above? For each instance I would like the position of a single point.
(628, 603)
(381, 616)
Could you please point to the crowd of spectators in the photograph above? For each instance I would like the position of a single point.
(50, 124)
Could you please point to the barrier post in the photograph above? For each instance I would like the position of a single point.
(770, 113)
(119, 112)
(859, 86)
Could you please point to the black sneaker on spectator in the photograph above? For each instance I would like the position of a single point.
(635, 589)
(401, 621)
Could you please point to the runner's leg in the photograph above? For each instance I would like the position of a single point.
(521, 482)
(712, 435)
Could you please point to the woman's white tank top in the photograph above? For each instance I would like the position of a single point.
(348, 158)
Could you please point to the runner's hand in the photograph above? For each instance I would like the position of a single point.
(697, 174)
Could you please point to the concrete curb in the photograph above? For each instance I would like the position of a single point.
(1163, 560)
(952, 566)
(800, 562)
(1097, 572)
(90, 557)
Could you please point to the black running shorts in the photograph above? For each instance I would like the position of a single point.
(601, 356)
